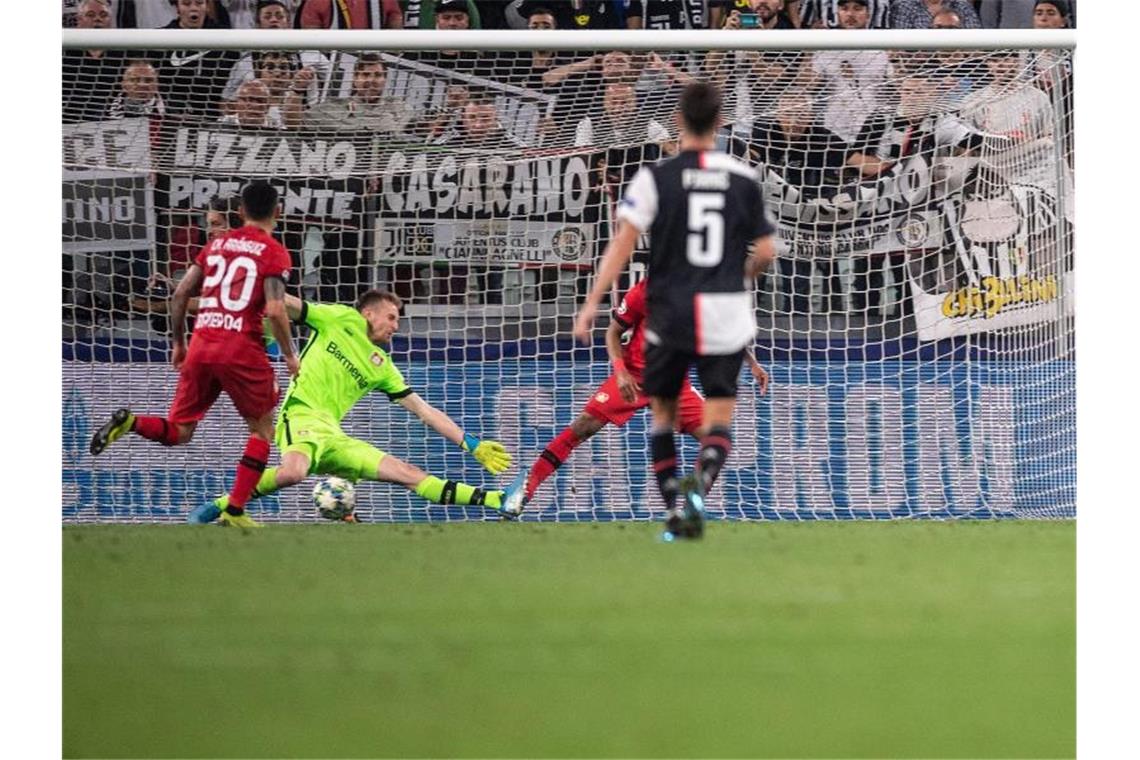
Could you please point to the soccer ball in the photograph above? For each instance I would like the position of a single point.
(335, 499)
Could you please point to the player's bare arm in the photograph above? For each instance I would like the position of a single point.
(432, 417)
(187, 288)
(491, 454)
(762, 256)
(293, 307)
(618, 254)
(279, 322)
(626, 384)
(757, 370)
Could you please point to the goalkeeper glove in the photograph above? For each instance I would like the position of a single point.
(490, 454)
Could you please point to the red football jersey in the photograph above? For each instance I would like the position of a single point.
(630, 314)
(231, 305)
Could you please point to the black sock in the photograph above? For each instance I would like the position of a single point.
(664, 451)
(715, 446)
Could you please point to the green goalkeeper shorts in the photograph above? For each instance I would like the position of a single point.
(330, 451)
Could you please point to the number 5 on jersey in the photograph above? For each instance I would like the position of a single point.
(705, 247)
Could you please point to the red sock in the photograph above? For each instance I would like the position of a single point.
(551, 459)
(249, 470)
(157, 429)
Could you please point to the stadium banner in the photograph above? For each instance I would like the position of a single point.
(832, 440)
(109, 208)
(329, 203)
(1001, 269)
(976, 261)
(228, 150)
(322, 182)
(898, 212)
(123, 145)
(429, 90)
(538, 211)
(107, 211)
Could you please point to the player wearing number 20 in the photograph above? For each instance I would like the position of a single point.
(242, 278)
(709, 237)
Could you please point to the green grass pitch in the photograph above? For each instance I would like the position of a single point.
(904, 639)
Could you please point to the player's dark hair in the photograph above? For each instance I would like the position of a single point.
(227, 205)
(700, 107)
(258, 200)
(370, 59)
(374, 297)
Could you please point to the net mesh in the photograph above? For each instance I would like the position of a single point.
(917, 325)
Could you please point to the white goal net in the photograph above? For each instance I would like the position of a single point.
(917, 326)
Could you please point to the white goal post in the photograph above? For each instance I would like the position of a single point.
(917, 326)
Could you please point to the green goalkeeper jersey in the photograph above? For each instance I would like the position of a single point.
(339, 364)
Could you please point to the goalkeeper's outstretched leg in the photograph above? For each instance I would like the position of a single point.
(362, 461)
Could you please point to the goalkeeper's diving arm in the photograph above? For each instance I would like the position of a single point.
(491, 454)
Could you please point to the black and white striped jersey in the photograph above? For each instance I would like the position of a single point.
(703, 210)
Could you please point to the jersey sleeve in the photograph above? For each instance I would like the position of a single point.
(318, 315)
(392, 382)
(639, 206)
(278, 263)
(200, 259)
(631, 311)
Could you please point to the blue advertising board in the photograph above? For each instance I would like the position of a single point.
(833, 439)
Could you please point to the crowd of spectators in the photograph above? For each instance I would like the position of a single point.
(571, 14)
(823, 117)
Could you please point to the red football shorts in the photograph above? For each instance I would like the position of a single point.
(252, 388)
(607, 404)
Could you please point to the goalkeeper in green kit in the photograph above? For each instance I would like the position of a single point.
(342, 361)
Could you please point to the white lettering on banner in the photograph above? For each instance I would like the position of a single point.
(998, 414)
(875, 474)
(939, 448)
(907, 185)
(745, 444)
(470, 189)
(485, 187)
(497, 174)
(521, 202)
(319, 202)
(485, 240)
(800, 436)
(419, 195)
(861, 217)
(423, 88)
(102, 145)
(299, 200)
(952, 466)
(107, 209)
(613, 469)
(1006, 247)
(229, 152)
